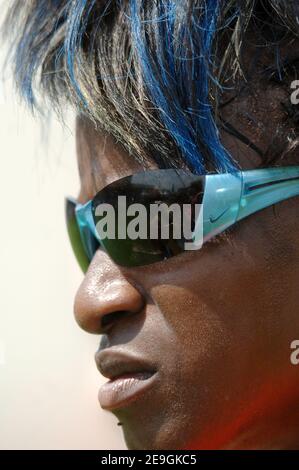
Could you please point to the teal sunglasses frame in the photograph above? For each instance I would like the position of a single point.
(227, 199)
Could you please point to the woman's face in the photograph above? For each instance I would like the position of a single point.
(214, 324)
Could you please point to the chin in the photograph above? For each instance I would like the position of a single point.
(155, 433)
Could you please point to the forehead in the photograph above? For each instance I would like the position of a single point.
(101, 160)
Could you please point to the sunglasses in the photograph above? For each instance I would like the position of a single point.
(224, 199)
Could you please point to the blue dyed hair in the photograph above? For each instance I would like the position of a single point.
(149, 72)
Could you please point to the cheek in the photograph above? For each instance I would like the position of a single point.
(252, 275)
(203, 341)
(225, 305)
(210, 326)
(190, 315)
(214, 364)
(237, 288)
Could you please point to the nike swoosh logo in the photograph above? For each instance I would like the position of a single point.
(214, 219)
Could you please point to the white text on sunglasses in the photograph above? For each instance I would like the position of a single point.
(155, 221)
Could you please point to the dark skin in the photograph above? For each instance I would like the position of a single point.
(217, 323)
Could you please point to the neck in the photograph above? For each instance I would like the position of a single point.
(276, 434)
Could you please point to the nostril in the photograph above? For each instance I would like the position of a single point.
(110, 318)
(103, 301)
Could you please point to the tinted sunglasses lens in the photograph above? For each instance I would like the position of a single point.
(75, 236)
(147, 188)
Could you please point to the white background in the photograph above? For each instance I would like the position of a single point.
(48, 378)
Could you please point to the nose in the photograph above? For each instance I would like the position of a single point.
(105, 296)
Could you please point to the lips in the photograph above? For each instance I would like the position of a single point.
(129, 378)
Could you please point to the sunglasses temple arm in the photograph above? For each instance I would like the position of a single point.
(263, 188)
(229, 198)
(220, 203)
